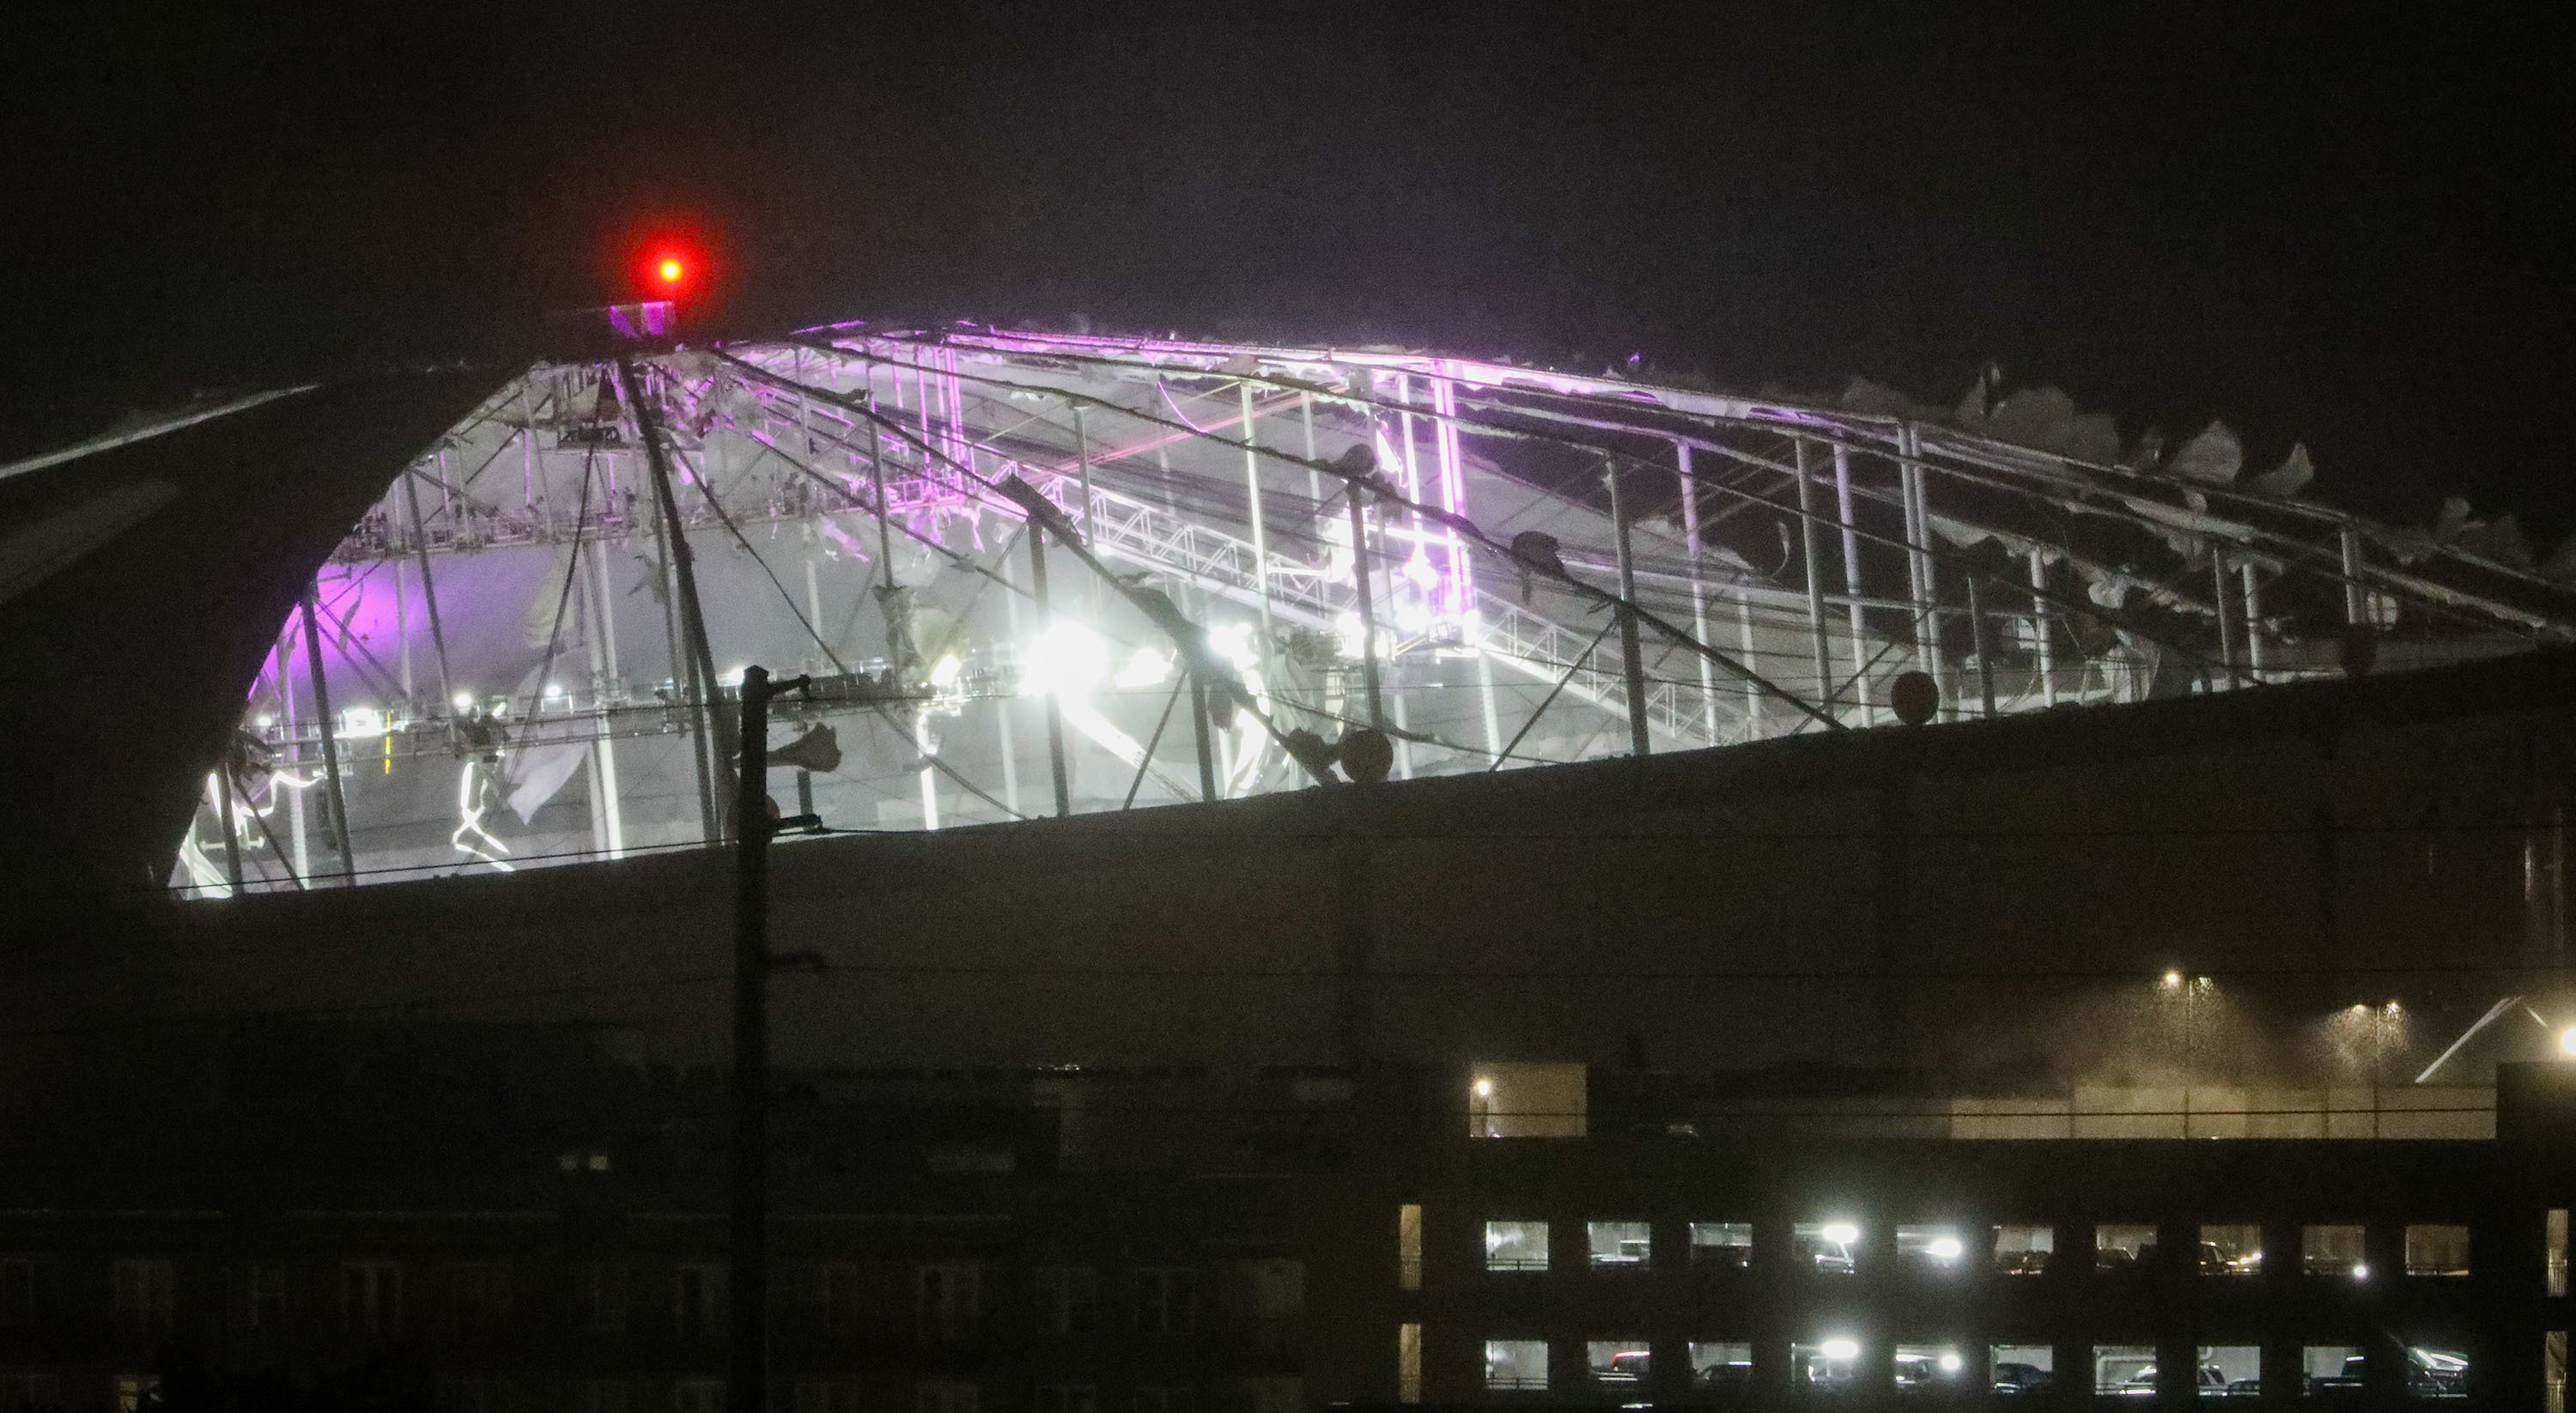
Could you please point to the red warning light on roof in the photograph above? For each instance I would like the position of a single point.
(670, 270)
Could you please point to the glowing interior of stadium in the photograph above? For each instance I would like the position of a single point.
(519, 655)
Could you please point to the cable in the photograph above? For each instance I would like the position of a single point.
(1378, 488)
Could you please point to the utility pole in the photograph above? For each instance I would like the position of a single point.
(747, 1329)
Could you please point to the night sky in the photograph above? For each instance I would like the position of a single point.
(2320, 225)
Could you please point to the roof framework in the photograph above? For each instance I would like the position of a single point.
(524, 645)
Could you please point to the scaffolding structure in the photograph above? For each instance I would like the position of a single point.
(1148, 570)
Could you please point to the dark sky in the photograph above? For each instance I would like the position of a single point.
(2319, 224)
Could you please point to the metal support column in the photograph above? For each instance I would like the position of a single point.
(1054, 708)
(226, 815)
(1367, 605)
(2040, 629)
(2356, 606)
(2222, 593)
(1977, 644)
(1204, 733)
(1005, 722)
(693, 620)
(298, 856)
(1811, 547)
(1260, 532)
(402, 643)
(611, 803)
(684, 678)
(1744, 641)
(2253, 619)
(1851, 586)
(1918, 558)
(1082, 480)
(1632, 658)
(1314, 478)
(1698, 588)
(428, 591)
(335, 796)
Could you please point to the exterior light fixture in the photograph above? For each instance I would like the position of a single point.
(2173, 979)
(1951, 1363)
(464, 701)
(2360, 1271)
(1944, 1248)
(2567, 1041)
(1840, 1349)
(1841, 1233)
(671, 270)
(1484, 1088)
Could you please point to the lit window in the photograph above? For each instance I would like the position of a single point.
(2332, 1370)
(1722, 1245)
(2124, 1370)
(1516, 1246)
(2436, 1372)
(2433, 1250)
(2230, 1371)
(1618, 1366)
(1935, 1369)
(2024, 1369)
(2023, 1249)
(2553, 1372)
(1828, 1248)
(2121, 1247)
(1527, 1100)
(136, 1392)
(1830, 1365)
(1932, 1249)
(1516, 1365)
(2557, 1270)
(1408, 1246)
(2334, 1249)
(2231, 1250)
(1619, 1246)
(1725, 1365)
(1408, 1363)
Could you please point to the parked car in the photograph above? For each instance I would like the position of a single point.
(1823, 1253)
(2142, 1384)
(2021, 1380)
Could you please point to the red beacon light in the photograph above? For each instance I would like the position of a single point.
(670, 270)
